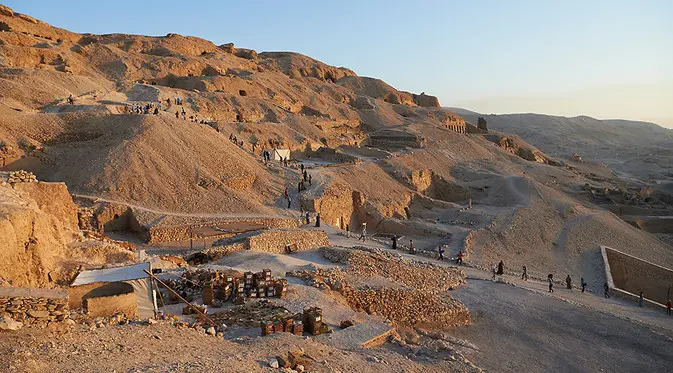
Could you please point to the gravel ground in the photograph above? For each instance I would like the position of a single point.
(516, 330)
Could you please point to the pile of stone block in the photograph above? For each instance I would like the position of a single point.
(38, 307)
(21, 176)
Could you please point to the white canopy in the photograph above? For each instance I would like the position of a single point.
(280, 154)
(132, 272)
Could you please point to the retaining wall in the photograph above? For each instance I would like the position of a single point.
(38, 307)
(628, 276)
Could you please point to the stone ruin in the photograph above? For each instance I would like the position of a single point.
(482, 124)
(417, 299)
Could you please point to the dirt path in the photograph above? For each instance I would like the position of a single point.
(517, 331)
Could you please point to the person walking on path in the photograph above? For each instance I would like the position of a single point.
(309, 179)
(550, 278)
(289, 201)
(640, 300)
(305, 175)
(287, 193)
(302, 167)
(493, 269)
(606, 290)
(501, 268)
(317, 220)
(441, 252)
(412, 248)
(348, 231)
(569, 282)
(363, 235)
(584, 284)
(459, 258)
(394, 239)
(524, 275)
(669, 305)
(308, 218)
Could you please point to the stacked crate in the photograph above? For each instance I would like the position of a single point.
(313, 320)
(208, 294)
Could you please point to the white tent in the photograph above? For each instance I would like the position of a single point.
(280, 154)
(133, 275)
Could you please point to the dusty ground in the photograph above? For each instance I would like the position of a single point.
(163, 348)
(516, 330)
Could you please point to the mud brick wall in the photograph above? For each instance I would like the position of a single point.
(110, 305)
(275, 241)
(38, 307)
(634, 275)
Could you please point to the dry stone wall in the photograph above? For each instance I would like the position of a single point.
(38, 307)
(276, 241)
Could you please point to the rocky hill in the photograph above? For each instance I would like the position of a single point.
(176, 126)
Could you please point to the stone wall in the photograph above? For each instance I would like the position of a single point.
(633, 275)
(181, 232)
(275, 241)
(38, 307)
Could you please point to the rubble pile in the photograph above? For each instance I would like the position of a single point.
(217, 287)
(409, 306)
(251, 314)
(87, 220)
(415, 274)
(418, 302)
(21, 176)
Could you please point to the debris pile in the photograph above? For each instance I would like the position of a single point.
(21, 176)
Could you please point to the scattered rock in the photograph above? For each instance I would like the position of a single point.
(273, 363)
(211, 331)
(7, 323)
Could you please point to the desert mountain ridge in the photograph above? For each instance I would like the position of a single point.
(323, 221)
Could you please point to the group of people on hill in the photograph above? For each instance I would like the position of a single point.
(150, 108)
(236, 141)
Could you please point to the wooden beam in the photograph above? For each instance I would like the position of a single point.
(198, 311)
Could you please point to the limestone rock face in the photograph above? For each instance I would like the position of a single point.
(426, 100)
(33, 240)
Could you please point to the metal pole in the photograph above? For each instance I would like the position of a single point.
(213, 323)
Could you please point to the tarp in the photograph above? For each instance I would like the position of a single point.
(132, 275)
(280, 154)
(131, 272)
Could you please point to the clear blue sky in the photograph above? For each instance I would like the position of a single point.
(605, 58)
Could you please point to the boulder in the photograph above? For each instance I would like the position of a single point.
(7, 323)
